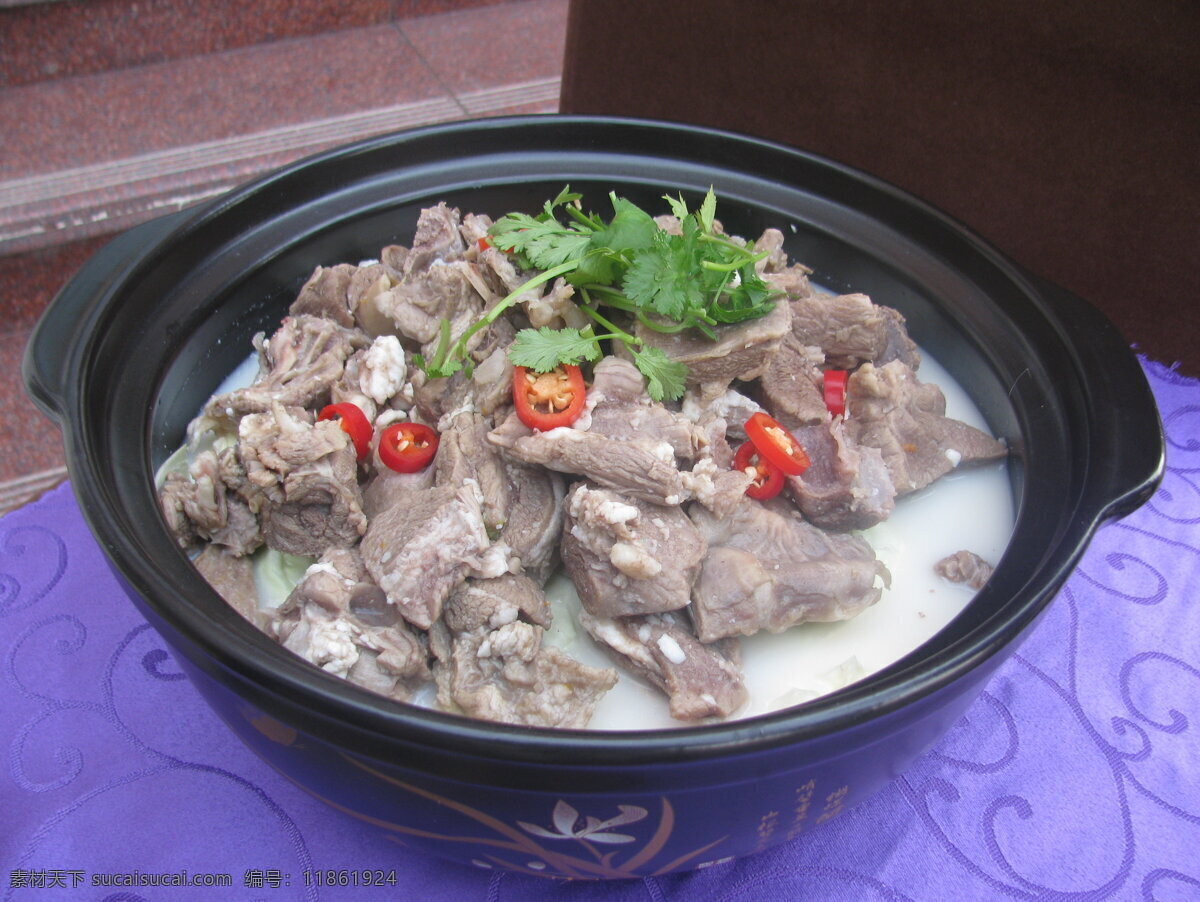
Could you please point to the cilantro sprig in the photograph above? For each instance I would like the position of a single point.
(696, 279)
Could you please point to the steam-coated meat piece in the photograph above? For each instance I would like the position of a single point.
(741, 351)
(419, 551)
(767, 569)
(437, 239)
(699, 680)
(233, 578)
(846, 486)
(302, 479)
(850, 329)
(965, 567)
(791, 385)
(618, 407)
(535, 518)
(200, 506)
(507, 675)
(298, 366)
(465, 453)
(890, 409)
(642, 468)
(338, 620)
(492, 603)
(628, 557)
(327, 294)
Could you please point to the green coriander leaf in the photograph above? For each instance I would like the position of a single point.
(660, 278)
(565, 196)
(665, 378)
(544, 349)
(678, 207)
(545, 244)
(707, 213)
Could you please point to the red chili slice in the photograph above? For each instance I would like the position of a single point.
(484, 244)
(354, 422)
(407, 447)
(776, 444)
(768, 478)
(548, 400)
(835, 391)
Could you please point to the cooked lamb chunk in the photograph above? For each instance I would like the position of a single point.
(850, 329)
(506, 675)
(741, 351)
(419, 551)
(200, 506)
(437, 239)
(965, 567)
(301, 477)
(367, 284)
(491, 603)
(791, 385)
(387, 488)
(233, 578)
(890, 409)
(326, 293)
(418, 304)
(464, 453)
(335, 618)
(618, 407)
(846, 486)
(771, 240)
(699, 680)
(300, 363)
(534, 518)
(642, 468)
(627, 556)
(766, 568)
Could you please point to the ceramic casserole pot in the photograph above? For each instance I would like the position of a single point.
(133, 346)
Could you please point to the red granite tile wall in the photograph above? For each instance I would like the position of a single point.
(44, 41)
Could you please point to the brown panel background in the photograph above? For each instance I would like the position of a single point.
(1066, 133)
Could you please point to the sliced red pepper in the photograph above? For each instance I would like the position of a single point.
(484, 244)
(407, 447)
(768, 478)
(548, 400)
(355, 424)
(835, 391)
(776, 444)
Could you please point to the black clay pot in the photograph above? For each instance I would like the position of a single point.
(137, 341)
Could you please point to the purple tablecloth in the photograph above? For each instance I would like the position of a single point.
(1076, 775)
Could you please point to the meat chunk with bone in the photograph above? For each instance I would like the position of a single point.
(327, 294)
(298, 366)
(302, 480)
(337, 619)
(200, 505)
(699, 680)
(421, 550)
(768, 569)
(890, 409)
(627, 556)
(492, 664)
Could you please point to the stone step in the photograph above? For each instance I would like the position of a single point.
(97, 153)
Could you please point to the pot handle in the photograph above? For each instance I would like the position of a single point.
(53, 339)
(1128, 448)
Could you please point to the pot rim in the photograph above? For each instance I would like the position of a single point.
(291, 682)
